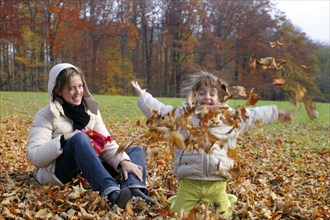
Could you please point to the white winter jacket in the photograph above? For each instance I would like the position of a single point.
(50, 123)
(207, 166)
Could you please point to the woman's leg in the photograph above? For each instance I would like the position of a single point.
(137, 156)
(138, 188)
(79, 154)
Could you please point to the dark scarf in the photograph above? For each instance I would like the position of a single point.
(77, 114)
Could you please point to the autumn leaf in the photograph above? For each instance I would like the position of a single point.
(138, 123)
(305, 67)
(270, 63)
(123, 148)
(253, 98)
(253, 63)
(41, 213)
(232, 153)
(271, 152)
(237, 91)
(300, 92)
(311, 109)
(278, 81)
(275, 44)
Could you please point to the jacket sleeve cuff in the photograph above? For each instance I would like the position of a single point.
(62, 141)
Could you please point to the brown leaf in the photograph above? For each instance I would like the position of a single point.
(270, 63)
(278, 81)
(253, 98)
(123, 148)
(305, 67)
(232, 153)
(311, 109)
(253, 63)
(237, 91)
(276, 44)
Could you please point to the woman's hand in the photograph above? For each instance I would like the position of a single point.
(129, 167)
(137, 88)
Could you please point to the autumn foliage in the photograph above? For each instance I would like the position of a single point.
(158, 43)
(281, 177)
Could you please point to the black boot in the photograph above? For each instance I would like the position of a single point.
(138, 193)
(120, 198)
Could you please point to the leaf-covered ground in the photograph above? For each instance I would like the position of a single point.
(285, 176)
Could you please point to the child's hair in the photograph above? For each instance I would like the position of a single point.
(203, 78)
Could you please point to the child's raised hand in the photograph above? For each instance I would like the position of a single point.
(137, 88)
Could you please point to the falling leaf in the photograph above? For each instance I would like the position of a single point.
(123, 148)
(237, 91)
(311, 109)
(301, 91)
(278, 81)
(305, 67)
(253, 98)
(275, 44)
(253, 63)
(232, 153)
(270, 63)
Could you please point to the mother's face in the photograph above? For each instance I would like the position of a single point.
(74, 93)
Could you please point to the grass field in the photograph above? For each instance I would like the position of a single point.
(123, 108)
(285, 175)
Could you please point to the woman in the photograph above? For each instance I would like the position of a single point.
(60, 150)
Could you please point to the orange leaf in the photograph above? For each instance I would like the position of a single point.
(311, 109)
(278, 81)
(138, 123)
(275, 44)
(300, 92)
(253, 98)
(238, 91)
(253, 63)
(304, 67)
(232, 153)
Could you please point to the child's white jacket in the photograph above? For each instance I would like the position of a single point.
(216, 165)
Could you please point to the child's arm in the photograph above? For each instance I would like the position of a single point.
(259, 116)
(147, 102)
(137, 88)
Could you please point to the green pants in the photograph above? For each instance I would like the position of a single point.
(192, 192)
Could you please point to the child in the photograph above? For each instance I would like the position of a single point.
(198, 172)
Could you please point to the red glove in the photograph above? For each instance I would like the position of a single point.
(98, 140)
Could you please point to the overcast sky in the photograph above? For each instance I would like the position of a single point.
(312, 16)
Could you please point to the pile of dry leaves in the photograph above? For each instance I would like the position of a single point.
(279, 180)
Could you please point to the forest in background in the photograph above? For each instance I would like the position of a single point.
(160, 43)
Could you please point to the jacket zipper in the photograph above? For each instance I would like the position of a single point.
(206, 170)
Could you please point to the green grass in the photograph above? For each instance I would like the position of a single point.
(123, 108)
(301, 131)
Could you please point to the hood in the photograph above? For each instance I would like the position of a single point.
(53, 74)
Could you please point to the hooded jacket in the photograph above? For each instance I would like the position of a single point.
(50, 123)
(216, 165)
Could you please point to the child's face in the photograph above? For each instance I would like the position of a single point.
(206, 95)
